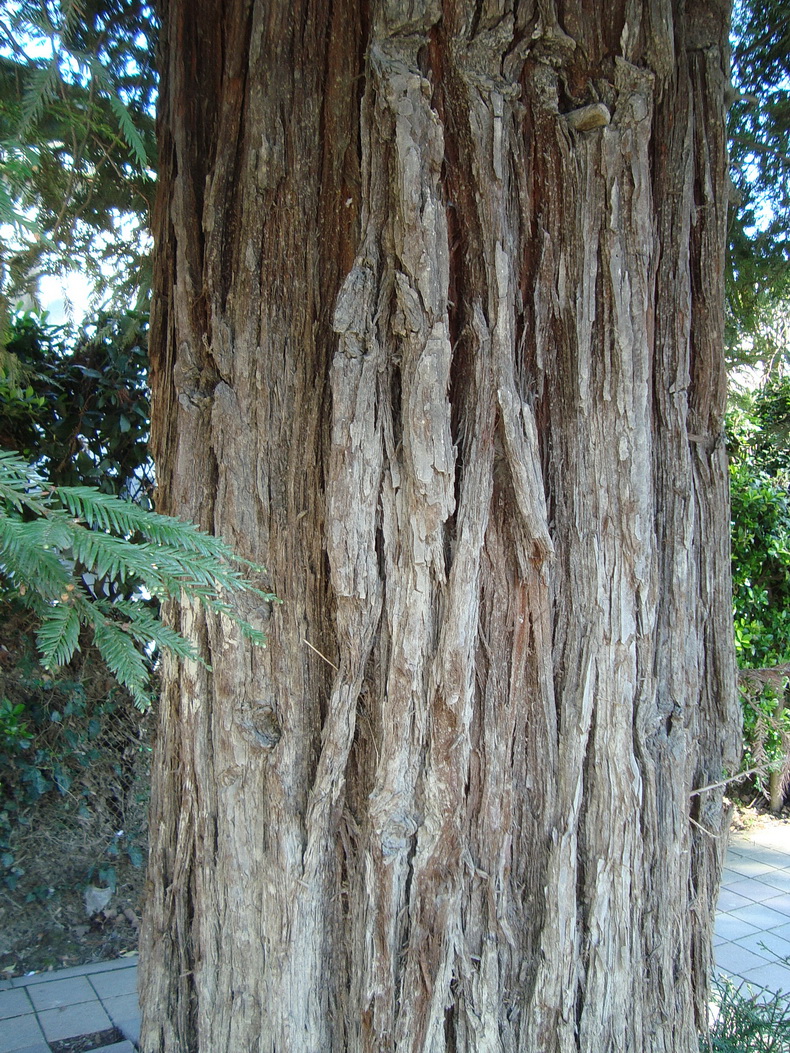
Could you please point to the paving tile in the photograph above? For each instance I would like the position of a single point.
(58, 993)
(754, 840)
(730, 901)
(743, 866)
(116, 1047)
(124, 981)
(121, 1008)
(774, 835)
(770, 856)
(733, 928)
(72, 1020)
(768, 944)
(760, 915)
(753, 889)
(130, 1028)
(737, 960)
(39, 1047)
(21, 1032)
(129, 961)
(721, 946)
(14, 1003)
(780, 903)
(43, 978)
(772, 977)
(75, 970)
(778, 878)
(738, 847)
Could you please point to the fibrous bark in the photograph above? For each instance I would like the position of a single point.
(438, 338)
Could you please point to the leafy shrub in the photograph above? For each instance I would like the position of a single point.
(759, 478)
(73, 737)
(745, 1023)
(77, 405)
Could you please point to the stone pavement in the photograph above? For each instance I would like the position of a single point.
(752, 940)
(38, 1013)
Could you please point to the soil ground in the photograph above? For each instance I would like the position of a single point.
(62, 846)
(51, 930)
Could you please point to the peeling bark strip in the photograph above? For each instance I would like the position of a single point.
(437, 338)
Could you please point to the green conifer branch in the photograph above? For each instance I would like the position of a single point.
(54, 539)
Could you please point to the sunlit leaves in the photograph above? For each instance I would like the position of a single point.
(758, 276)
(77, 88)
(759, 477)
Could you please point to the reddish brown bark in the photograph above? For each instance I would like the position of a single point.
(438, 339)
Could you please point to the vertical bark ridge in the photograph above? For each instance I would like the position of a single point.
(181, 375)
(240, 387)
(406, 229)
(716, 714)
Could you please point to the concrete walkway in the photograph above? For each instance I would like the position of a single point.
(38, 1013)
(752, 941)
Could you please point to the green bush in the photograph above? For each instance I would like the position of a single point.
(743, 1022)
(73, 737)
(759, 478)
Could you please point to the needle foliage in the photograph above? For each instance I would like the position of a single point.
(81, 559)
(77, 140)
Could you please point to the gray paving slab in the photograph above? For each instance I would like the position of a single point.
(774, 834)
(753, 888)
(75, 970)
(116, 1047)
(736, 960)
(121, 982)
(772, 977)
(730, 901)
(778, 878)
(58, 993)
(766, 854)
(72, 1020)
(70, 1002)
(38, 1048)
(14, 1003)
(124, 1007)
(761, 916)
(768, 944)
(780, 903)
(730, 928)
(752, 941)
(130, 1028)
(20, 1033)
(743, 866)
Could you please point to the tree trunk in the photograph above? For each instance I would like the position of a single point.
(437, 337)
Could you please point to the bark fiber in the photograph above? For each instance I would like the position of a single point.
(437, 337)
